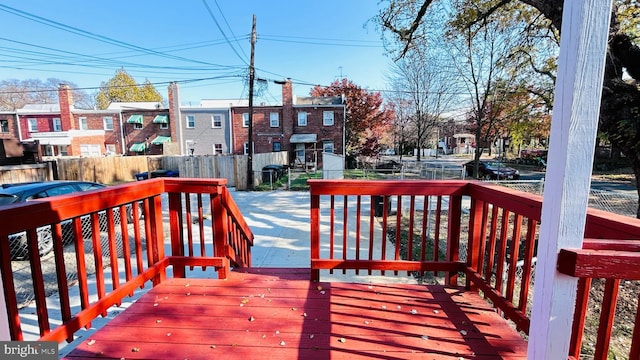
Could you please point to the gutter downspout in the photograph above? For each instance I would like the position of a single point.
(231, 146)
(122, 142)
(19, 127)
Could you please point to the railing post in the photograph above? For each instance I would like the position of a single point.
(175, 224)
(453, 247)
(220, 227)
(315, 235)
(157, 236)
(5, 333)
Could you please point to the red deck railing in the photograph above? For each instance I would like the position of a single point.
(484, 236)
(102, 231)
(461, 233)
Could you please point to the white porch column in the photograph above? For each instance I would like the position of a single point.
(5, 335)
(585, 26)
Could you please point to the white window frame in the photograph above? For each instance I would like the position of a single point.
(217, 149)
(4, 126)
(245, 148)
(110, 148)
(137, 126)
(328, 118)
(328, 144)
(107, 123)
(274, 119)
(191, 121)
(213, 121)
(245, 119)
(302, 119)
(57, 124)
(83, 123)
(188, 145)
(164, 126)
(33, 124)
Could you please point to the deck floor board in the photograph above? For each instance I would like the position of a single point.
(280, 314)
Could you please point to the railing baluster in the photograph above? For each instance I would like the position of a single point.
(176, 226)
(203, 251)
(634, 351)
(189, 222)
(491, 246)
(113, 251)
(38, 281)
(147, 232)
(412, 208)
(607, 314)
(10, 290)
(345, 229)
(476, 222)
(513, 260)
(61, 275)
(385, 217)
(371, 229)
(81, 265)
(136, 236)
(126, 249)
(332, 229)
(502, 250)
(358, 205)
(396, 255)
(528, 264)
(315, 234)
(436, 236)
(423, 232)
(453, 248)
(579, 317)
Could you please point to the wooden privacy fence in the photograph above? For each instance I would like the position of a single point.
(117, 169)
(25, 173)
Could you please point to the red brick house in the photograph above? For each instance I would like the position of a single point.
(305, 127)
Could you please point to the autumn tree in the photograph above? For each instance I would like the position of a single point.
(15, 94)
(367, 118)
(123, 88)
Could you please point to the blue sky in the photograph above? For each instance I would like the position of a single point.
(312, 42)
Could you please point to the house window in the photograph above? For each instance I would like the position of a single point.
(245, 119)
(277, 146)
(327, 146)
(137, 126)
(84, 124)
(107, 121)
(4, 126)
(274, 119)
(302, 119)
(245, 148)
(57, 124)
(327, 118)
(217, 149)
(33, 125)
(216, 121)
(190, 146)
(191, 121)
(164, 126)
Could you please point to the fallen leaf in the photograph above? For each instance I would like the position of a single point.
(212, 346)
(158, 321)
(342, 340)
(135, 349)
(463, 332)
(282, 343)
(304, 314)
(319, 288)
(425, 337)
(322, 292)
(252, 319)
(293, 309)
(311, 336)
(168, 334)
(244, 301)
(435, 311)
(91, 342)
(414, 311)
(277, 332)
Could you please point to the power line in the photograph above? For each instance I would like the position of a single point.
(222, 31)
(229, 27)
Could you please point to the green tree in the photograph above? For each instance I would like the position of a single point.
(366, 116)
(123, 88)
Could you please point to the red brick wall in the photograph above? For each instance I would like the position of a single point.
(45, 124)
(148, 132)
(96, 122)
(74, 148)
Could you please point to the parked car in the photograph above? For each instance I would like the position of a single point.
(492, 170)
(22, 192)
(389, 166)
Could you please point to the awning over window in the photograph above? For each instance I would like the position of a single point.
(138, 147)
(161, 140)
(161, 119)
(303, 138)
(135, 119)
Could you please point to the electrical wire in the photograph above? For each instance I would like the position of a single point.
(206, 5)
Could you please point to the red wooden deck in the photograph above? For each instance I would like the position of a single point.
(281, 314)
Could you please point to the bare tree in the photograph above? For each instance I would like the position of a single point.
(15, 94)
(426, 88)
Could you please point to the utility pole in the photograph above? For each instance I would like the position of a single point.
(251, 80)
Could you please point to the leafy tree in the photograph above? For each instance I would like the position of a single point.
(367, 118)
(123, 88)
(15, 94)
(403, 22)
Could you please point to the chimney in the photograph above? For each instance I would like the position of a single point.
(65, 99)
(287, 108)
